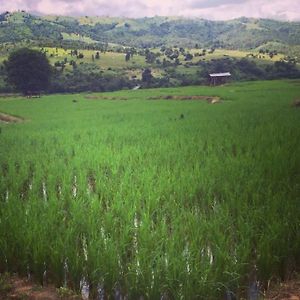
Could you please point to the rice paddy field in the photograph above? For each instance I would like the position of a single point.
(153, 193)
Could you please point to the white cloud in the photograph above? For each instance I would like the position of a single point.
(210, 9)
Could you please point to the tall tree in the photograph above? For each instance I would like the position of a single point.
(28, 70)
(147, 76)
(127, 56)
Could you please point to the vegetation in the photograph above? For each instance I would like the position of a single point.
(242, 33)
(106, 54)
(86, 70)
(168, 193)
(136, 195)
(28, 70)
(5, 287)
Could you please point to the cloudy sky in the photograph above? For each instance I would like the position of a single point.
(209, 9)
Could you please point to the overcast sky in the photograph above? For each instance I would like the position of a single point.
(208, 9)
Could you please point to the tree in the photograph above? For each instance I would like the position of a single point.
(150, 57)
(28, 70)
(147, 75)
(127, 56)
(188, 56)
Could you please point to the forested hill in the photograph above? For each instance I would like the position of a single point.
(242, 33)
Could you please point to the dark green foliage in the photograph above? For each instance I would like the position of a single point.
(28, 70)
(150, 57)
(147, 76)
(171, 54)
(85, 78)
(4, 86)
(74, 52)
(127, 56)
(285, 70)
(188, 56)
(245, 69)
(250, 68)
(3, 16)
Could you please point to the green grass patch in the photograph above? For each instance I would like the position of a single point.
(77, 37)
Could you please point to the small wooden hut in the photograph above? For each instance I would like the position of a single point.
(219, 78)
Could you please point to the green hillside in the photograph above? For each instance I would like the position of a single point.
(89, 53)
(242, 33)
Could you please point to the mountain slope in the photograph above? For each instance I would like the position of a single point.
(242, 33)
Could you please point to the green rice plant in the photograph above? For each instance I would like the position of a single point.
(130, 198)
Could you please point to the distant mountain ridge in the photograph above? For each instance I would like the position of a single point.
(242, 33)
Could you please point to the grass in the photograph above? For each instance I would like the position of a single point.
(107, 60)
(77, 37)
(134, 197)
(117, 60)
(220, 53)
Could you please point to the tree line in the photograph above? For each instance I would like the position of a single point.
(29, 72)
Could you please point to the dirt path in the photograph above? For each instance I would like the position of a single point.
(5, 118)
(209, 99)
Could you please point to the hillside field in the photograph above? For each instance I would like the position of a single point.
(155, 192)
(115, 59)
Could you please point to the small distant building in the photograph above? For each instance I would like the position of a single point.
(136, 88)
(219, 78)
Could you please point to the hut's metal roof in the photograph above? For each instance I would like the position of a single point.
(220, 74)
